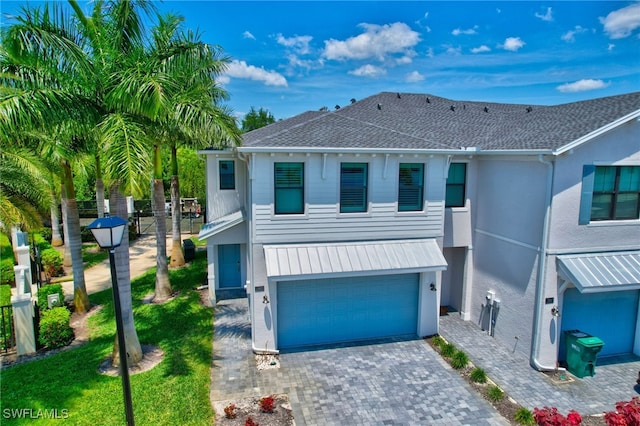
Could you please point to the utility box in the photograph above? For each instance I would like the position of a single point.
(189, 250)
(582, 351)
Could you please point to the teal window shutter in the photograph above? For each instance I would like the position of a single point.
(227, 174)
(353, 187)
(410, 187)
(586, 197)
(289, 188)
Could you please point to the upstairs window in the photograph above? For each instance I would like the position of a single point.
(227, 174)
(410, 187)
(456, 185)
(289, 188)
(616, 193)
(353, 187)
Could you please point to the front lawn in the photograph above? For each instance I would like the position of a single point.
(174, 392)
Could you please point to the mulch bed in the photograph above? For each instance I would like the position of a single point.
(250, 407)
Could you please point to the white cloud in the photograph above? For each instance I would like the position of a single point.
(414, 77)
(368, 71)
(247, 34)
(299, 43)
(569, 36)
(377, 41)
(451, 50)
(240, 69)
(610, 47)
(481, 49)
(582, 86)
(407, 59)
(469, 31)
(547, 16)
(622, 22)
(513, 44)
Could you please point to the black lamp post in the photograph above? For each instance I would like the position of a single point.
(108, 232)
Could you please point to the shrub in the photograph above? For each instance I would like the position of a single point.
(494, 393)
(627, 413)
(230, 411)
(51, 262)
(524, 416)
(5, 294)
(266, 404)
(437, 341)
(549, 416)
(7, 274)
(459, 360)
(46, 234)
(46, 290)
(250, 422)
(478, 375)
(55, 330)
(86, 236)
(447, 350)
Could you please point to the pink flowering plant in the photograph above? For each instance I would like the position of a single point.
(549, 416)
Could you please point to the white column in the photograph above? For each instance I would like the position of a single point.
(467, 284)
(22, 284)
(211, 272)
(24, 259)
(23, 320)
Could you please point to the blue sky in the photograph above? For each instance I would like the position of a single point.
(292, 56)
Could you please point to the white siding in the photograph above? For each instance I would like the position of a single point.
(223, 202)
(322, 220)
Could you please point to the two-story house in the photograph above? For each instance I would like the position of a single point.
(363, 222)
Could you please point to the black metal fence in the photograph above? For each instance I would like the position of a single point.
(7, 329)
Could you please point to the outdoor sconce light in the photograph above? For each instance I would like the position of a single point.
(555, 311)
(432, 287)
(265, 299)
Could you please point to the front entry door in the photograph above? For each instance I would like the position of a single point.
(229, 265)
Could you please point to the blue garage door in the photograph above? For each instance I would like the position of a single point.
(346, 309)
(611, 316)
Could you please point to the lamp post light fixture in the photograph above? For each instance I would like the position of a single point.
(108, 232)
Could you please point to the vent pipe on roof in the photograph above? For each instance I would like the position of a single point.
(486, 109)
(398, 95)
(379, 106)
(353, 100)
(452, 108)
(428, 100)
(529, 109)
(337, 106)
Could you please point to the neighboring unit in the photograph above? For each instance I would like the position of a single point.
(363, 222)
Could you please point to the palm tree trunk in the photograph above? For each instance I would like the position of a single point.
(56, 238)
(177, 255)
(118, 206)
(80, 297)
(99, 189)
(163, 285)
(66, 260)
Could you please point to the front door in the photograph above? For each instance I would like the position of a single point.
(229, 265)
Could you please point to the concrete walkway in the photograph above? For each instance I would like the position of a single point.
(390, 382)
(142, 257)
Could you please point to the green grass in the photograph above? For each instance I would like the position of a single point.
(174, 392)
(91, 255)
(478, 375)
(494, 393)
(459, 360)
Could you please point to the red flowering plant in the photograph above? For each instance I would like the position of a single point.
(266, 404)
(627, 413)
(250, 422)
(549, 416)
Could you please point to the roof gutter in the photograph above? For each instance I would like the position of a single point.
(405, 151)
(542, 270)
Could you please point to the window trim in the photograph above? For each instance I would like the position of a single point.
(416, 207)
(300, 188)
(365, 187)
(233, 174)
(463, 184)
(614, 194)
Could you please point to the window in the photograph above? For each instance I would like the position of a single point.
(410, 187)
(227, 175)
(289, 188)
(456, 179)
(616, 193)
(353, 187)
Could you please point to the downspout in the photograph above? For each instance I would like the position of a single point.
(542, 269)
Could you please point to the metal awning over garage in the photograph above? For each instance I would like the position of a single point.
(306, 261)
(597, 272)
(221, 224)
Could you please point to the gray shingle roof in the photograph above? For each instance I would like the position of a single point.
(419, 121)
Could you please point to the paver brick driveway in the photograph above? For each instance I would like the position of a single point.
(380, 383)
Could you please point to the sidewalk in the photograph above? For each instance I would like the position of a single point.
(142, 257)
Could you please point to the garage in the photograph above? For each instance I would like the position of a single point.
(611, 316)
(325, 311)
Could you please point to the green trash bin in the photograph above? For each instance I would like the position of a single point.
(582, 350)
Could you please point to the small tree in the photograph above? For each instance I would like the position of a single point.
(256, 119)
